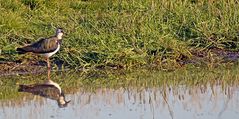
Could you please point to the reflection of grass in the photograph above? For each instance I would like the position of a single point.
(89, 81)
(129, 33)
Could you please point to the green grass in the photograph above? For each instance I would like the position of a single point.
(127, 33)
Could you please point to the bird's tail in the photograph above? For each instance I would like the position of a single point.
(21, 51)
(23, 88)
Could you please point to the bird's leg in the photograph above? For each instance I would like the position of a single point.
(48, 68)
(48, 64)
(48, 74)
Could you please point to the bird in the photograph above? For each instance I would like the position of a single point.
(45, 47)
(48, 89)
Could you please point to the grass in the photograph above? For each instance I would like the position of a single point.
(125, 33)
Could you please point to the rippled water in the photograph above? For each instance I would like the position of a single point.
(215, 100)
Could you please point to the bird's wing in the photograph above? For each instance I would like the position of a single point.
(44, 45)
(44, 90)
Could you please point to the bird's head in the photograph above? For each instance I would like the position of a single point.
(62, 101)
(59, 33)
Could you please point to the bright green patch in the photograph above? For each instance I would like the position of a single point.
(128, 33)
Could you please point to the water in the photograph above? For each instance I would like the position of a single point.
(211, 100)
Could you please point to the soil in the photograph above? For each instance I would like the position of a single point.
(38, 67)
(17, 68)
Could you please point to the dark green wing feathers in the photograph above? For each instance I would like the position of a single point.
(41, 46)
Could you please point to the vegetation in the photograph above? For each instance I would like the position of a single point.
(121, 33)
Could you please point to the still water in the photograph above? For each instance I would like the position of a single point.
(211, 100)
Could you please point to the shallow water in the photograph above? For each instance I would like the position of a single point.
(211, 100)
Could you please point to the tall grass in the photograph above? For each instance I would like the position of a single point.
(126, 33)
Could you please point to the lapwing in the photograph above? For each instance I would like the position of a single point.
(49, 89)
(45, 46)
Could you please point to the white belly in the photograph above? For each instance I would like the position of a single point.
(51, 53)
(50, 82)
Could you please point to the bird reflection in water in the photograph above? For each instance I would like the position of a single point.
(49, 89)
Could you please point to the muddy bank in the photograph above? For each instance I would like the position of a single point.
(18, 68)
(212, 56)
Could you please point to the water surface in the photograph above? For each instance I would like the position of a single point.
(135, 97)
